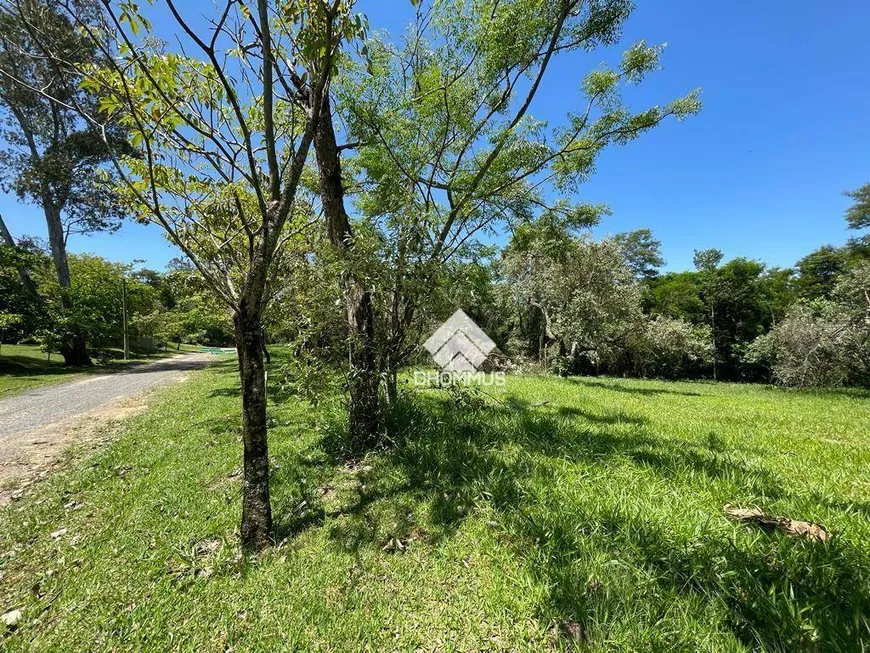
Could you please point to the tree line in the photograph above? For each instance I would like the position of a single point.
(581, 306)
(163, 309)
(555, 299)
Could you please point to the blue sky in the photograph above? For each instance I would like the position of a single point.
(760, 173)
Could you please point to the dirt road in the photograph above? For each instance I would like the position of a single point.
(36, 427)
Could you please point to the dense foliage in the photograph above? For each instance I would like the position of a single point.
(552, 300)
(163, 309)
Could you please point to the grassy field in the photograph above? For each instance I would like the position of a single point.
(580, 513)
(23, 367)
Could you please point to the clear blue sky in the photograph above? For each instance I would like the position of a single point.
(760, 173)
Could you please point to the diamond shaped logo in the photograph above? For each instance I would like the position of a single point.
(459, 345)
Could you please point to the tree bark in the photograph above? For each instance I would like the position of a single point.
(256, 528)
(364, 380)
(392, 386)
(58, 244)
(74, 349)
(266, 355)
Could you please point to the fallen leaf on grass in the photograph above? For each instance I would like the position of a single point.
(206, 547)
(792, 527)
(399, 544)
(572, 632)
(393, 544)
(11, 618)
(58, 534)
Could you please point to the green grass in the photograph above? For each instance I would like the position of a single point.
(24, 367)
(602, 508)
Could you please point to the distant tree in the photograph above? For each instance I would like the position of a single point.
(858, 215)
(587, 297)
(642, 252)
(819, 271)
(740, 304)
(737, 301)
(27, 284)
(96, 306)
(196, 319)
(19, 294)
(677, 295)
(706, 260)
(810, 348)
(853, 291)
(822, 342)
(8, 322)
(665, 347)
(779, 292)
(54, 158)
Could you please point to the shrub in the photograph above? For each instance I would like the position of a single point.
(819, 344)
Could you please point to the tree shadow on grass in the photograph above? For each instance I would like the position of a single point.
(776, 592)
(29, 366)
(26, 366)
(790, 595)
(609, 419)
(643, 392)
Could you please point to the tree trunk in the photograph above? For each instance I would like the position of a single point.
(256, 528)
(392, 387)
(74, 350)
(364, 380)
(266, 354)
(363, 401)
(58, 247)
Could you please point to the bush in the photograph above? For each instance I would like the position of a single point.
(819, 344)
(672, 348)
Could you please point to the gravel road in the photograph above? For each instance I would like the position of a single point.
(43, 406)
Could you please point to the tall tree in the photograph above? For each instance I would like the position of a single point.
(642, 252)
(706, 261)
(23, 273)
(858, 215)
(449, 147)
(54, 158)
(223, 122)
(19, 294)
(742, 312)
(677, 295)
(363, 374)
(588, 297)
(819, 271)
